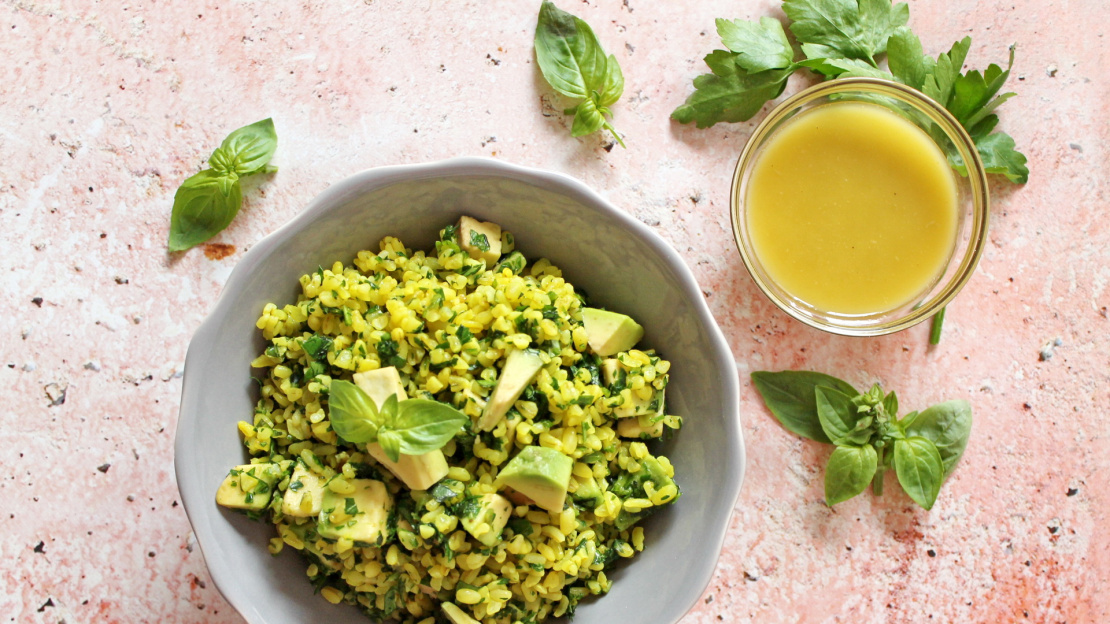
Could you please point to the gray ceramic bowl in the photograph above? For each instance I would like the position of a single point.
(621, 264)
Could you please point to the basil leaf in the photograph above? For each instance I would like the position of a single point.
(791, 397)
(614, 83)
(948, 426)
(920, 471)
(352, 412)
(890, 404)
(587, 119)
(389, 411)
(202, 207)
(247, 150)
(425, 426)
(390, 441)
(838, 417)
(317, 346)
(568, 53)
(849, 471)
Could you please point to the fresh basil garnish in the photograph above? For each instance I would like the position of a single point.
(207, 202)
(411, 427)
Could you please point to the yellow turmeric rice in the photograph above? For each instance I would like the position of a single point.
(446, 320)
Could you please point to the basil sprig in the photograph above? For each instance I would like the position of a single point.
(574, 64)
(207, 202)
(411, 427)
(922, 448)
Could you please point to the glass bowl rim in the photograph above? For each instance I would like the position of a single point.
(976, 179)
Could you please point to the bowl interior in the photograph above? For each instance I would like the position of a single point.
(616, 260)
(972, 203)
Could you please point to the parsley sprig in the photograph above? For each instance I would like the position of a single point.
(851, 38)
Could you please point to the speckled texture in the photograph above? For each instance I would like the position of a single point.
(105, 108)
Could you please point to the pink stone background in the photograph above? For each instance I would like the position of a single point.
(106, 107)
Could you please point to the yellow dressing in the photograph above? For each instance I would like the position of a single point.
(852, 209)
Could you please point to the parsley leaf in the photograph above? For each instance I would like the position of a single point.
(854, 29)
(730, 93)
(758, 47)
(574, 64)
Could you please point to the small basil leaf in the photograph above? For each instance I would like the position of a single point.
(202, 207)
(614, 83)
(948, 426)
(390, 441)
(425, 426)
(920, 471)
(389, 411)
(837, 414)
(890, 404)
(352, 412)
(791, 397)
(587, 119)
(247, 150)
(849, 471)
(568, 53)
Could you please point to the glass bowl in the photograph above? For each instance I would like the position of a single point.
(972, 204)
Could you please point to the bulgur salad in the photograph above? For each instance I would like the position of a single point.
(453, 436)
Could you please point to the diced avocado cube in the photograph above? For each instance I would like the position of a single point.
(540, 473)
(380, 384)
(249, 486)
(481, 240)
(486, 525)
(609, 333)
(457, 615)
(521, 367)
(371, 504)
(418, 472)
(642, 407)
(305, 494)
(588, 492)
(640, 427)
(515, 262)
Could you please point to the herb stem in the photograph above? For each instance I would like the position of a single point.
(877, 483)
(938, 324)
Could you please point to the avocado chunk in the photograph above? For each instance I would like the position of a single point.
(631, 485)
(418, 472)
(609, 333)
(457, 615)
(640, 427)
(305, 494)
(481, 240)
(515, 262)
(489, 520)
(521, 367)
(248, 487)
(541, 474)
(363, 515)
(588, 492)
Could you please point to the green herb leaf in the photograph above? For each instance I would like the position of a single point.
(202, 207)
(948, 426)
(758, 47)
(791, 397)
(247, 150)
(849, 471)
(730, 93)
(390, 441)
(919, 468)
(350, 507)
(479, 240)
(352, 412)
(574, 64)
(838, 417)
(424, 425)
(999, 155)
(907, 59)
(845, 68)
(206, 203)
(890, 404)
(317, 346)
(856, 29)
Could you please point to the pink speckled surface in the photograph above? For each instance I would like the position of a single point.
(106, 107)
